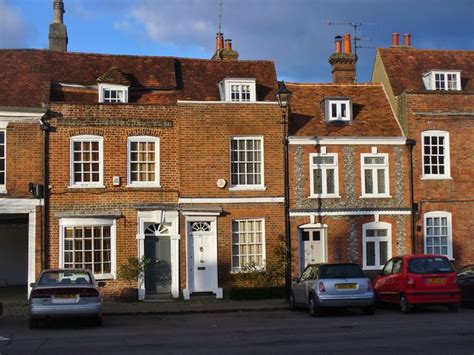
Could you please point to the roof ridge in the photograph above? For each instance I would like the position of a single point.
(41, 50)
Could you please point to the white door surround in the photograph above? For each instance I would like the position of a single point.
(170, 219)
(26, 206)
(313, 245)
(201, 254)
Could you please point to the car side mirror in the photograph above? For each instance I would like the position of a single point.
(33, 284)
(101, 283)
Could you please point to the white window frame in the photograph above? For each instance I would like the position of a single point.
(449, 235)
(87, 222)
(237, 269)
(147, 139)
(113, 87)
(87, 138)
(429, 79)
(447, 166)
(376, 225)
(324, 168)
(253, 187)
(339, 103)
(3, 186)
(225, 89)
(374, 168)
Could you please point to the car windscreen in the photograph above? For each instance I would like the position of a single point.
(57, 278)
(341, 271)
(429, 265)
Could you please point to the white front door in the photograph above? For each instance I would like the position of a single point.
(203, 256)
(313, 248)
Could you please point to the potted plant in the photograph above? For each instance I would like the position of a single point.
(130, 272)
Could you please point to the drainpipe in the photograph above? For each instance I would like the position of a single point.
(410, 143)
(46, 128)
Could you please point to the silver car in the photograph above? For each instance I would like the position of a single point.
(65, 293)
(332, 285)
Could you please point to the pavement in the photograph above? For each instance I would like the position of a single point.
(15, 305)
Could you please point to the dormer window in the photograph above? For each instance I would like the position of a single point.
(442, 80)
(338, 110)
(237, 90)
(113, 93)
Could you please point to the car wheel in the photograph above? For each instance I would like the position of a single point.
(405, 306)
(453, 307)
(33, 323)
(291, 302)
(370, 309)
(314, 307)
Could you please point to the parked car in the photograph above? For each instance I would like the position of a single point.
(466, 283)
(332, 285)
(65, 293)
(412, 280)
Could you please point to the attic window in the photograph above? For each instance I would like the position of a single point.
(237, 90)
(338, 110)
(442, 80)
(113, 93)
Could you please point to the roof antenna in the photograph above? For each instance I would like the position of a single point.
(219, 27)
(355, 38)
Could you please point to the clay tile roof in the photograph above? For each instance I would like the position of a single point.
(200, 78)
(405, 66)
(372, 113)
(27, 73)
(114, 76)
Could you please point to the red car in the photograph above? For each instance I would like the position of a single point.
(412, 280)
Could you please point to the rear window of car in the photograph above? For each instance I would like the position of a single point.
(429, 265)
(55, 278)
(341, 271)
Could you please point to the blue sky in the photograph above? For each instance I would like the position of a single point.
(295, 33)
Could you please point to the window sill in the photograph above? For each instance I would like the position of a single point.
(138, 186)
(436, 178)
(375, 196)
(86, 187)
(324, 196)
(234, 272)
(104, 277)
(372, 268)
(248, 188)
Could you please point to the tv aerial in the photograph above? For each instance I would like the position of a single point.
(356, 38)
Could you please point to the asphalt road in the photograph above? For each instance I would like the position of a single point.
(431, 331)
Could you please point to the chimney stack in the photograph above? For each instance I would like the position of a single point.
(395, 39)
(407, 40)
(57, 30)
(343, 61)
(224, 52)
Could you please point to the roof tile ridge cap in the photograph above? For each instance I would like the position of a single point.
(234, 61)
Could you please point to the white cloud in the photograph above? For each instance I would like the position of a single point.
(13, 27)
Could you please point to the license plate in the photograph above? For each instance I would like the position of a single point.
(346, 286)
(435, 281)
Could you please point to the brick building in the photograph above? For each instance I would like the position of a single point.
(432, 94)
(178, 160)
(349, 164)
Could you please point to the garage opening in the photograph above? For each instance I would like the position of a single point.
(13, 250)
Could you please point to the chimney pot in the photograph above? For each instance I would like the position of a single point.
(347, 43)
(228, 44)
(338, 42)
(407, 40)
(395, 39)
(221, 40)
